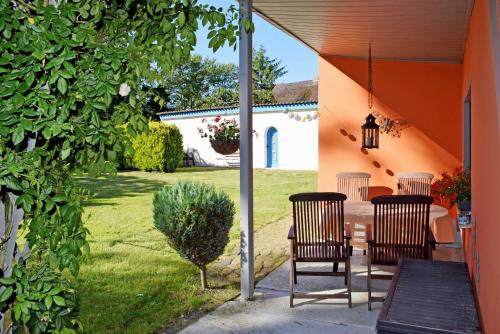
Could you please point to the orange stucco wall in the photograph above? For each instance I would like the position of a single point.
(482, 254)
(427, 95)
(430, 96)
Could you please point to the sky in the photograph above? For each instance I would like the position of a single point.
(300, 61)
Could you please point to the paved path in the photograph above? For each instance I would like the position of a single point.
(270, 311)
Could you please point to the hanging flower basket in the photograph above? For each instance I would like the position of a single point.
(223, 134)
(225, 147)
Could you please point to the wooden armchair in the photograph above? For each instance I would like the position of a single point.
(317, 235)
(400, 230)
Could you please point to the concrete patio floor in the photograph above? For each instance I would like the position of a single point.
(269, 312)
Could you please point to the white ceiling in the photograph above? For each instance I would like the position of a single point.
(423, 30)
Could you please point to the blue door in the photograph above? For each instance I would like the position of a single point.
(272, 147)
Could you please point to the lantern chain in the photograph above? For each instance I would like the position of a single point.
(370, 80)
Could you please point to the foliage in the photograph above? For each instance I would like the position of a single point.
(196, 219)
(200, 82)
(220, 129)
(68, 75)
(205, 83)
(158, 150)
(452, 188)
(266, 71)
(155, 98)
(44, 301)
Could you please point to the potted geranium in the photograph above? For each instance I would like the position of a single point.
(454, 188)
(224, 134)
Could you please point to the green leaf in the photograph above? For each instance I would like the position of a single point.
(182, 19)
(65, 153)
(166, 25)
(12, 183)
(111, 155)
(7, 281)
(59, 300)
(221, 19)
(62, 85)
(17, 311)
(26, 201)
(69, 68)
(48, 301)
(6, 294)
(18, 135)
(59, 198)
(248, 25)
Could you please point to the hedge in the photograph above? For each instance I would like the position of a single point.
(160, 149)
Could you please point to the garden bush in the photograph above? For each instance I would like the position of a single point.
(160, 149)
(196, 219)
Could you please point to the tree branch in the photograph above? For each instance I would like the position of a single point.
(22, 3)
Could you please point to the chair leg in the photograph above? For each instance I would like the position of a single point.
(335, 267)
(348, 277)
(294, 272)
(368, 279)
(293, 276)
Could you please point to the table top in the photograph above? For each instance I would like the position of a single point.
(429, 297)
(364, 210)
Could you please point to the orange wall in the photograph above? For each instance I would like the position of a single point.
(427, 95)
(430, 96)
(483, 255)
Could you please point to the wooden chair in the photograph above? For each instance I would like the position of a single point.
(353, 185)
(400, 230)
(414, 183)
(317, 235)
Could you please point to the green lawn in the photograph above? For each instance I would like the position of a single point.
(132, 282)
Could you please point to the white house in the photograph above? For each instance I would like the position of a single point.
(285, 137)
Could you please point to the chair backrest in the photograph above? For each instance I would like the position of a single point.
(353, 185)
(414, 183)
(400, 228)
(318, 219)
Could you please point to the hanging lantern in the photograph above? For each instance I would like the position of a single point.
(370, 130)
(370, 133)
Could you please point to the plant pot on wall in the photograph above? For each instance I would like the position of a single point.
(463, 206)
(225, 147)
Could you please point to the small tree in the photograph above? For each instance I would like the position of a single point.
(196, 219)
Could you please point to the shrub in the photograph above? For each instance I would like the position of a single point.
(158, 150)
(196, 219)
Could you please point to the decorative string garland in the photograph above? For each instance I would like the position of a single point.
(301, 118)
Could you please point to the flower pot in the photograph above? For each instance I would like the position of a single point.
(463, 206)
(225, 147)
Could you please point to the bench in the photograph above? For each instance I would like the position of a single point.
(429, 297)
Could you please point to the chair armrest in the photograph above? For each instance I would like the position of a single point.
(432, 239)
(291, 233)
(348, 231)
(369, 233)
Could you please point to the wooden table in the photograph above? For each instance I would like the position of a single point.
(360, 213)
(429, 297)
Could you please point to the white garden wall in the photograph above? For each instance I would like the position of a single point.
(297, 140)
